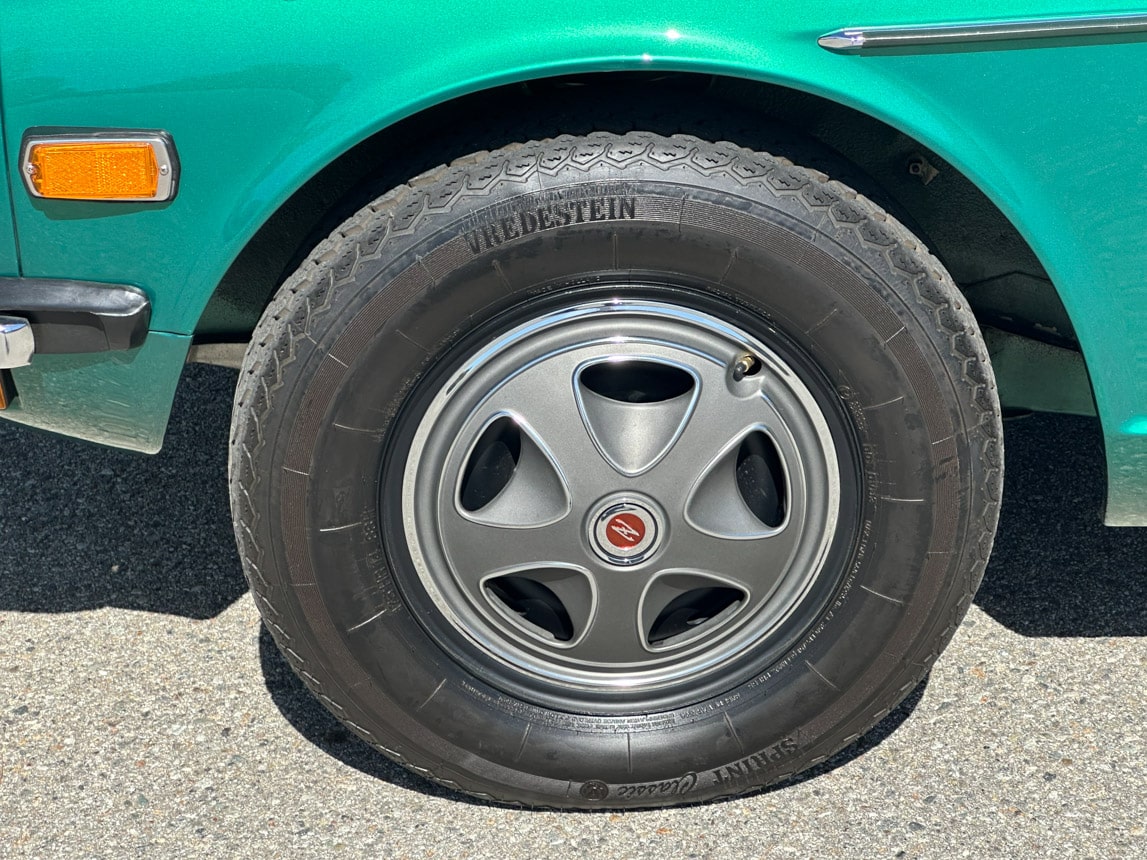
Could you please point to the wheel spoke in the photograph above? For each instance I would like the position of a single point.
(718, 420)
(509, 479)
(543, 399)
(476, 550)
(615, 637)
(680, 606)
(554, 604)
(635, 408)
(755, 564)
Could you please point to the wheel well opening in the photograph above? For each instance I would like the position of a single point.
(1004, 282)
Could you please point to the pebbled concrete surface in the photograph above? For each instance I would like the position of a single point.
(144, 713)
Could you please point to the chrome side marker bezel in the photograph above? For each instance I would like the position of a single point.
(161, 143)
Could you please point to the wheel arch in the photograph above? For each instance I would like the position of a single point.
(890, 160)
(947, 189)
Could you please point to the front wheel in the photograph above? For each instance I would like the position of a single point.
(615, 471)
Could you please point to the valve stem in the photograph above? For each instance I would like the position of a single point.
(746, 365)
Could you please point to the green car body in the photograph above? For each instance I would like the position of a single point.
(264, 98)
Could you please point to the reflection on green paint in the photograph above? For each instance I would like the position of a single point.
(114, 398)
(1135, 427)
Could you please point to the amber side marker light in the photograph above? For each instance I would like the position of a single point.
(7, 389)
(128, 167)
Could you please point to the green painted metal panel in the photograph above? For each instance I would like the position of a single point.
(9, 260)
(260, 95)
(114, 398)
(9, 263)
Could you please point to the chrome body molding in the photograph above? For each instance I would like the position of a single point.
(851, 39)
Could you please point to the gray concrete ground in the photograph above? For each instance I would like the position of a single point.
(143, 712)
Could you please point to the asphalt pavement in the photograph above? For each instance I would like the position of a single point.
(145, 713)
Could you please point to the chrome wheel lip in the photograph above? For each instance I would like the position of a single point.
(468, 615)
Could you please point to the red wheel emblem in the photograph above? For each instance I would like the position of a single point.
(625, 531)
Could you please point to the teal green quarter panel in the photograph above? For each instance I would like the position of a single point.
(9, 259)
(260, 95)
(9, 262)
(120, 398)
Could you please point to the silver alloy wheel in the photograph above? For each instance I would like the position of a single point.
(621, 495)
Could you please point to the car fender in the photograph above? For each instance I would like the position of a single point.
(261, 96)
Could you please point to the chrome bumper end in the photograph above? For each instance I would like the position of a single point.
(17, 342)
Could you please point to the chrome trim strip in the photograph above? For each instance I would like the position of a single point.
(161, 144)
(17, 343)
(938, 35)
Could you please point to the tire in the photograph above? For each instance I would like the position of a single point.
(616, 471)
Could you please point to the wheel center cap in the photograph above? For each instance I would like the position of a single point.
(625, 532)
